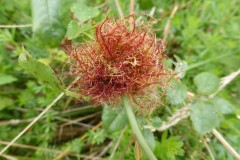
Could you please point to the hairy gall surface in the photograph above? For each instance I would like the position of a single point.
(124, 59)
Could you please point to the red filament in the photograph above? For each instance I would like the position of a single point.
(124, 59)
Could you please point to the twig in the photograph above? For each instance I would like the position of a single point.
(76, 109)
(117, 144)
(185, 111)
(132, 2)
(208, 148)
(80, 119)
(93, 154)
(32, 123)
(29, 147)
(35, 120)
(173, 120)
(42, 149)
(8, 157)
(66, 151)
(167, 27)
(15, 121)
(67, 103)
(104, 151)
(151, 13)
(225, 81)
(93, 129)
(16, 26)
(120, 12)
(226, 144)
(63, 154)
(126, 149)
(76, 123)
(137, 150)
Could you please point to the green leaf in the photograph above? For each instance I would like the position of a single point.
(6, 79)
(96, 137)
(114, 119)
(207, 83)
(168, 63)
(6, 103)
(180, 67)
(176, 93)
(169, 148)
(83, 12)
(149, 137)
(74, 29)
(76, 145)
(205, 116)
(40, 71)
(75, 95)
(46, 21)
(222, 105)
(156, 122)
(71, 94)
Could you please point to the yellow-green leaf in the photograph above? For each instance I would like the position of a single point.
(40, 71)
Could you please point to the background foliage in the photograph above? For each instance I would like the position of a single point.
(202, 42)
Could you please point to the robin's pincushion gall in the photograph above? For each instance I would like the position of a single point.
(124, 59)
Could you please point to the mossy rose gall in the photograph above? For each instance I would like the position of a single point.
(124, 59)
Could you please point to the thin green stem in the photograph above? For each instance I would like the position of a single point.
(137, 131)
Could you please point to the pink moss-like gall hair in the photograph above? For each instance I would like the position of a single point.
(124, 59)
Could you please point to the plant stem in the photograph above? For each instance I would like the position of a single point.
(132, 7)
(226, 144)
(136, 130)
(16, 26)
(32, 123)
(120, 12)
(35, 119)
